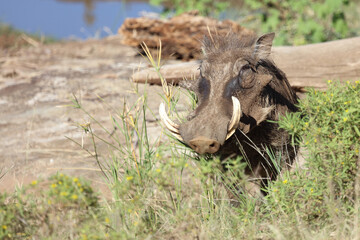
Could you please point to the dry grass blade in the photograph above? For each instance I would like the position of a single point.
(30, 40)
(157, 66)
(210, 35)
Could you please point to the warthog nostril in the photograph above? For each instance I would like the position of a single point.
(204, 145)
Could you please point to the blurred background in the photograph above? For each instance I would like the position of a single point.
(64, 19)
(296, 22)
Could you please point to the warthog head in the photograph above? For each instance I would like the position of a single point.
(238, 89)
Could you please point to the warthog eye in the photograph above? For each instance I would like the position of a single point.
(244, 69)
(246, 76)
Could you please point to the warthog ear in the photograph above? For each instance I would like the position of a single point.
(263, 46)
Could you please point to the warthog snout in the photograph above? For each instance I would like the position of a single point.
(204, 145)
(211, 132)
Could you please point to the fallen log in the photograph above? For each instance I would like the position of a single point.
(172, 32)
(305, 66)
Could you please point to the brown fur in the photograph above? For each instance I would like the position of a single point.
(242, 68)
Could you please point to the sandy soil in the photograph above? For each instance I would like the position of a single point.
(36, 84)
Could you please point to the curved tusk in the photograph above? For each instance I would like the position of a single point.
(166, 120)
(229, 134)
(235, 118)
(173, 127)
(177, 136)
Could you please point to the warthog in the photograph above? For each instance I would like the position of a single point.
(239, 90)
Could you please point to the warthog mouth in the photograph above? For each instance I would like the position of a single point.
(174, 128)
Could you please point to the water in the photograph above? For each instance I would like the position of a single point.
(64, 19)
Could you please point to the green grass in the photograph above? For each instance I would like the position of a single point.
(11, 38)
(162, 190)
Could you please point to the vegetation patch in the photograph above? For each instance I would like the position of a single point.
(324, 194)
(12, 39)
(59, 207)
(165, 191)
(305, 21)
(161, 189)
(295, 22)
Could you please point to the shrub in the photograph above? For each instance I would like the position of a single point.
(59, 207)
(328, 187)
(305, 21)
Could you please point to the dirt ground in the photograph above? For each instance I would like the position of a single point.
(36, 84)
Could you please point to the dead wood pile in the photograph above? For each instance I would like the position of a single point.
(180, 36)
(305, 66)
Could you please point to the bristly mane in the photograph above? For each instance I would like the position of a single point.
(278, 91)
(215, 44)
